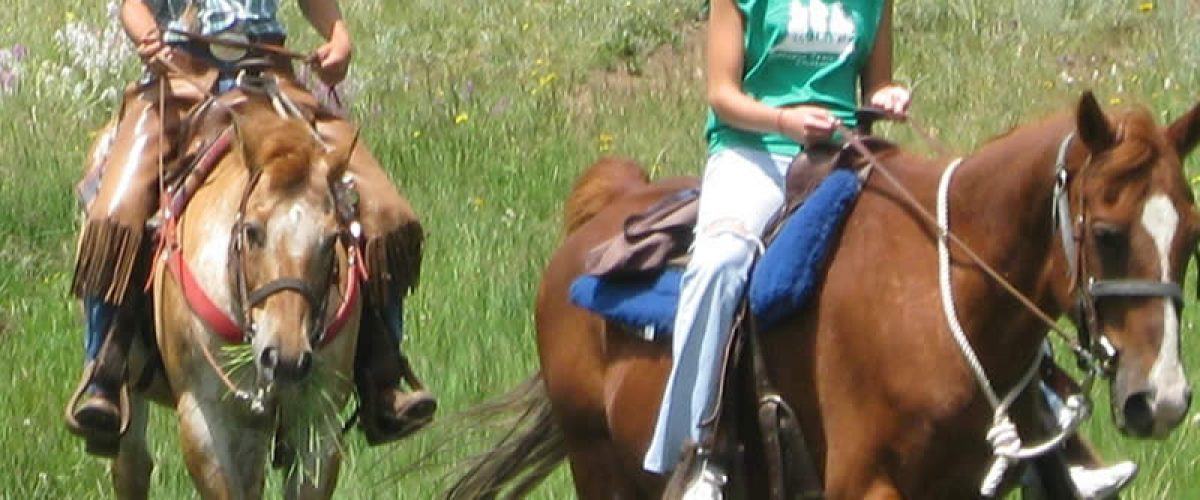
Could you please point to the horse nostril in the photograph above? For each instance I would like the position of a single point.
(304, 364)
(269, 358)
(1139, 418)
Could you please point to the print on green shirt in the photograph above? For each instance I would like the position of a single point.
(800, 52)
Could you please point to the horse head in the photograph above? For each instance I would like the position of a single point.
(1137, 227)
(285, 243)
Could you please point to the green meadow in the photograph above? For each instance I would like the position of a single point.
(484, 112)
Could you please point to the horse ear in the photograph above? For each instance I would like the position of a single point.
(1094, 129)
(1185, 131)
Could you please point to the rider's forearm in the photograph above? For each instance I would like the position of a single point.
(326, 17)
(137, 20)
(877, 72)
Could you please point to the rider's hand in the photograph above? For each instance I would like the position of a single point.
(332, 60)
(894, 99)
(806, 124)
(150, 48)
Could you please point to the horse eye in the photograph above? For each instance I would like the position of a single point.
(255, 234)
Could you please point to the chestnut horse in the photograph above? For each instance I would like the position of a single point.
(255, 314)
(888, 405)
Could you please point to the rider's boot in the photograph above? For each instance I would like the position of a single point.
(1088, 477)
(388, 413)
(96, 413)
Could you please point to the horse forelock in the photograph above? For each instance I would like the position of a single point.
(1139, 140)
(285, 150)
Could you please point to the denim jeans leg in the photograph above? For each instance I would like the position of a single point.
(741, 191)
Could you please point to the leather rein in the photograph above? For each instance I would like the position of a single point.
(240, 327)
(1092, 350)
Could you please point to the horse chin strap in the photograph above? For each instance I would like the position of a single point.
(1007, 447)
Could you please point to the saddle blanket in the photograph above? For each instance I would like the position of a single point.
(781, 282)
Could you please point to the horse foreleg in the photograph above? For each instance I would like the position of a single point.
(597, 472)
(132, 466)
(225, 459)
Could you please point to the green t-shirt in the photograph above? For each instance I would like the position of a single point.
(800, 52)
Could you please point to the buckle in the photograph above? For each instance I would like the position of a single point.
(236, 50)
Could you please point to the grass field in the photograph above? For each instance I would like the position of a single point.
(485, 111)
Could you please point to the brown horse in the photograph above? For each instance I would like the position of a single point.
(889, 407)
(255, 314)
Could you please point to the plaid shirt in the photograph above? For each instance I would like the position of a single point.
(252, 17)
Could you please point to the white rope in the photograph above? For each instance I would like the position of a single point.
(1003, 436)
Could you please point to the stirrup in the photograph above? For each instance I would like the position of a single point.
(69, 414)
(408, 375)
(101, 444)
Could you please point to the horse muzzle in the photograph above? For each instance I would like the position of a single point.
(1150, 410)
(274, 366)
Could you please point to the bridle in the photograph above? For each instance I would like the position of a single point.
(238, 325)
(1087, 290)
(1094, 353)
(244, 299)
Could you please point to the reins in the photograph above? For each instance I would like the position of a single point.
(241, 327)
(1095, 357)
(854, 140)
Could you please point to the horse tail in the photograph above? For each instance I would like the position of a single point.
(528, 452)
(599, 185)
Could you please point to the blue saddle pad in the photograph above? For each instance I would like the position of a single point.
(782, 280)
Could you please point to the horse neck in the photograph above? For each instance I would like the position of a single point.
(1001, 206)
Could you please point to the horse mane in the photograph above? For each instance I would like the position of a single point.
(284, 148)
(598, 186)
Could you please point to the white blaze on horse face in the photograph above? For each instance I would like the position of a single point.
(293, 234)
(1161, 220)
(299, 230)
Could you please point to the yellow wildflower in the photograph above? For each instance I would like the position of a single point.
(605, 141)
(1115, 101)
(1145, 6)
(416, 134)
(461, 118)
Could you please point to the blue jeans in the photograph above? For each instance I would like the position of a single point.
(741, 191)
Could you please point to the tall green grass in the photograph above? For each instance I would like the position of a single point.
(484, 112)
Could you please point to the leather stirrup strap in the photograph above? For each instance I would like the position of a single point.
(790, 469)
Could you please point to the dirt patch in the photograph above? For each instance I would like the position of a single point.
(666, 67)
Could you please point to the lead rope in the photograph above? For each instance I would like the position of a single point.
(1003, 436)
